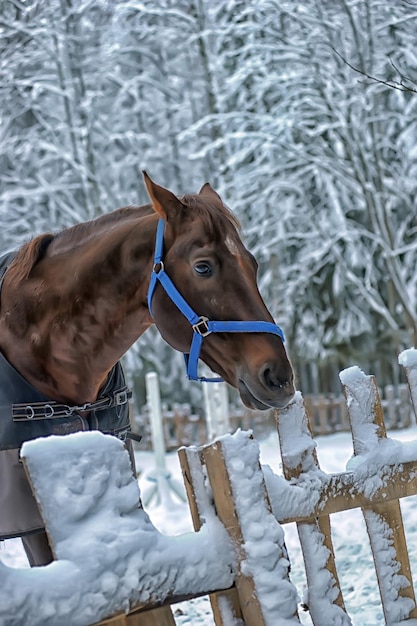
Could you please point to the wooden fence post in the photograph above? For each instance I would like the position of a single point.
(265, 593)
(293, 426)
(199, 502)
(226, 511)
(383, 521)
(230, 510)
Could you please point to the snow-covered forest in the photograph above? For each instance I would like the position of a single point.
(301, 113)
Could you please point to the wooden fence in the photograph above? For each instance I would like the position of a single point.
(380, 507)
(184, 427)
(327, 414)
(224, 479)
(311, 509)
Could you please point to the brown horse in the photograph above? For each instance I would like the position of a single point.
(73, 303)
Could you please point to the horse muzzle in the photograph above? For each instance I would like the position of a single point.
(269, 389)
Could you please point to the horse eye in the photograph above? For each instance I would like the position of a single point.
(203, 269)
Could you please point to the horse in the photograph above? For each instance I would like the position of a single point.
(73, 302)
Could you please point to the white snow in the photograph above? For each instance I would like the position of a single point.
(297, 445)
(408, 358)
(263, 537)
(322, 591)
(109, 553)
(69, 579)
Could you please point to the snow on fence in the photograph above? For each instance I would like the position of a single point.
(381, 472)
(113, 565)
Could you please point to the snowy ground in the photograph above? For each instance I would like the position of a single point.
(353, 555)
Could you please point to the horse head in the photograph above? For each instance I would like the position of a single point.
(208, 264)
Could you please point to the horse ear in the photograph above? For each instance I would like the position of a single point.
(208, 191)
(165, 203)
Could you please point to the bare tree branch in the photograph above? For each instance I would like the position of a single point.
(393, 84)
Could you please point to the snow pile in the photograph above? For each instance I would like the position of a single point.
(265, 553)
(297, 497)
(353, 555)
(377, 459)
(408, 358)
(308, 484)
(374, 469)
(110, 556)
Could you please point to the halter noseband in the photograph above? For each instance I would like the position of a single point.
(202, 326)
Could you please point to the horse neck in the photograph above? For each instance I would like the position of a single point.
(94, 307)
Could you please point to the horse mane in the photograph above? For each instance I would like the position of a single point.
(34, 250)
(27, 257)
(78, 234)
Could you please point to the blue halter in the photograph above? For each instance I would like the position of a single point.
(202, 326)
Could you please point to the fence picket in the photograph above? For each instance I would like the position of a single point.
(384, 520)
(192, 471)
(293, 426)
(226, 510)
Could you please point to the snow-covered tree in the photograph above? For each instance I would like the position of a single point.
(321, 168)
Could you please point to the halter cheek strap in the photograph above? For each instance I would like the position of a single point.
(202, 326)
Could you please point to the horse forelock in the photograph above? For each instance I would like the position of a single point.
(217, 219)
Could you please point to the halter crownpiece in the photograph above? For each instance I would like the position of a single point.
(201, 325)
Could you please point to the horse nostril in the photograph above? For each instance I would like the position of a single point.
(272, 380)
(268, 377)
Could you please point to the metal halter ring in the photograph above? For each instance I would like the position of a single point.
(158, 267)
